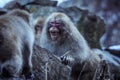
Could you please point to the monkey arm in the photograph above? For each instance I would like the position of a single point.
(69, 57)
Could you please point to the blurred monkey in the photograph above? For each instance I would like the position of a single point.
(16, 44)
(38, 26)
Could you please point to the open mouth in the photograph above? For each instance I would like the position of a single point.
(54, 35)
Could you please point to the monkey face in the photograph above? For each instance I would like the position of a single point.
(55, 28)
(38, 28)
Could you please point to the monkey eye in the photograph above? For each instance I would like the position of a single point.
(37, 26)
(55, 24)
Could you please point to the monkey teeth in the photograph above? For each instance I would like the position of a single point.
(54, 35)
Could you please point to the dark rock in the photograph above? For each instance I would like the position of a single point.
(23, 4)
(12, 5)
(43, 11)
(92, 28)
(3, 11)
(111, 37)
(74, 13)
(114, 52)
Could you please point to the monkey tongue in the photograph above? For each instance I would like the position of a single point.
(54, 35)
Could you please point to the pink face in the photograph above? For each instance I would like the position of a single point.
(54, 28)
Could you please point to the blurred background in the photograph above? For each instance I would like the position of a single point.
(97, 20)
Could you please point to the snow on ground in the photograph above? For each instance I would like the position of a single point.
(115, 47)
(3, 2)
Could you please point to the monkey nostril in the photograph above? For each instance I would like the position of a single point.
(54, 29)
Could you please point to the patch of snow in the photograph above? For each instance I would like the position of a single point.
(59, 1)
(3, 2)
(115, 47)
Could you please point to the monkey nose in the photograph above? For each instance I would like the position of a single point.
(53, 29)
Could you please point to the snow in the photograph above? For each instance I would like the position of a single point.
(115, 47)
(108, 57)
(3, 2)
(59, 1)
(111, 58)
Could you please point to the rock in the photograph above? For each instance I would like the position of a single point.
(3, 11)
(111, 37)
(92, 28)
(24, 4)
(74, 13)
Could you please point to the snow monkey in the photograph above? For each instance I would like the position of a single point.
(38, 25)
(16, 44)
(61, 37)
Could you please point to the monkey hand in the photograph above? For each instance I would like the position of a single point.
(64, 60)
(67, 59)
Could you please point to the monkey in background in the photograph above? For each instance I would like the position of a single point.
(38, 25)
(61, 37)
(16, 44)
